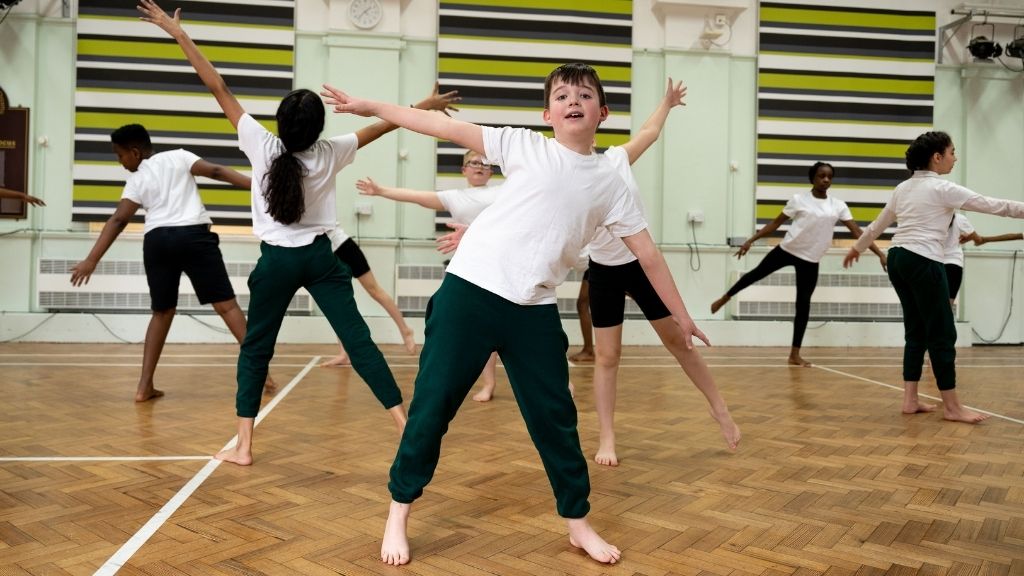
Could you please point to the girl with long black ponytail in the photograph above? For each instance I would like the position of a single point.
(293, 211)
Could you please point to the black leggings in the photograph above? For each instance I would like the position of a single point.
(806, 281)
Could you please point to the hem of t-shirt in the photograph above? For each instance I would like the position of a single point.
(553, 299)
(917, 250)
(795, 255)
(637, 230)
(630, 261)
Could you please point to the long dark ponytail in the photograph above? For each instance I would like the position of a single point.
(300, 120)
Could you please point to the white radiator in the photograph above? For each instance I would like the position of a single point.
(120, 285)
(838, 296)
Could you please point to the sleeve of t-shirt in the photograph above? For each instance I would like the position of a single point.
(620, 160)
(250, 136)
(954, 195)
(186, 158)
(465, 204)
(964, 225)
(844, 211)
(791, 207)
(134, 188)
(625, 217)
(501, 145)
(343, 150)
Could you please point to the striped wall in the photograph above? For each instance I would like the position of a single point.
(851, 86)
(497, 53)
(129, 71)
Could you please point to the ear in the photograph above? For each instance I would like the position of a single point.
(604, 113)
(547, 116)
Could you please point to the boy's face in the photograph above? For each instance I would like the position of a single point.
(476, 170)
(130, 158)
(574, 110)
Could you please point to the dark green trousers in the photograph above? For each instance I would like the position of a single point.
(464, 324)
(927, 317)
(278, 275)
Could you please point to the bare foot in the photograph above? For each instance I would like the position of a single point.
(148, 394)
(917, 406)
(394, 550)
(730, 431)
(961, 414)
(270, 387)
(339, 360)
(581, 535)
(485, 394)
(235, 455)
(798, 361)
(408, 340)
(606, 455)
(717, 304)
(585, 355)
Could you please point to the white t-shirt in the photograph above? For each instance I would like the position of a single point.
(810, 234)
(607, 249)
(924, 206)
(954, 250)
(550, 205)
(337, 236)
(465, 204)
(165, 187)
(322, 161)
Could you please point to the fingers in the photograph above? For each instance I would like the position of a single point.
(703, 338)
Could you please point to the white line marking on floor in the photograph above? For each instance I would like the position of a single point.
(98, 458)
(118, 560)
(900, 388)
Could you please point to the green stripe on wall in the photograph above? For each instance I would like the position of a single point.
(123, 48)
(90, 193)
(846, 84)
(770, 210)
(838, 17)
(767, 145)
(619, 7)
(158, 122)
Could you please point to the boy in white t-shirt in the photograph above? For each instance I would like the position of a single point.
(814, 216)
(499, 292)
(177, 239)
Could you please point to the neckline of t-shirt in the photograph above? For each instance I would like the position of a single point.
(582, 157)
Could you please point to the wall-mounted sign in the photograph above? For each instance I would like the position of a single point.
(13, 157)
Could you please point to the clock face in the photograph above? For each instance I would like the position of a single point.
(365, 13)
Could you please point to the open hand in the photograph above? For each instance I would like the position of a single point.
(345, 104)
(675, 93)
(690, 331)
(851, 257)
(81, 272)
(449, 242)
(367, 187)
(155, 15)
(441, 102)
(743, 249)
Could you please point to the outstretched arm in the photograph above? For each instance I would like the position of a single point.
(979, 240)
(436, 101)
(462, 133)
(223, 173)
(654, 265)
(367, 187)
(15, 195)
(651, 129)
(81, 272)
(854, 229)
(764, 231)
(207, 73)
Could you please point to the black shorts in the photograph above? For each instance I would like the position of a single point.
(608, 288)
(353, 257)
(168, 251)
(954, 276)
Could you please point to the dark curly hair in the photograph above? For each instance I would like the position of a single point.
(919, 153)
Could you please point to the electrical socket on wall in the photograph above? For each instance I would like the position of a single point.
(695, 216)
(364, 209)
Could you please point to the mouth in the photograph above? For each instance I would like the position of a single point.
(574, 115)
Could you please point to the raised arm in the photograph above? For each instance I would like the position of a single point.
(15, 195)
(654, 265)
(367, 187)
(223, 173)
(764, 231)
(207, 73)
(436, 101)
(465, 134)
(995, 206)
(81, 272)
(651, 129)
(854, 229)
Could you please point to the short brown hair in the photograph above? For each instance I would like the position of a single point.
(575, 74)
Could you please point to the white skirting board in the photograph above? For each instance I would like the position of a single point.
(79, 327)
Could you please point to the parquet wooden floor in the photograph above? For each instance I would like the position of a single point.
(829, 479)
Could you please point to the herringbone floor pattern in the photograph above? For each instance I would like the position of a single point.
(829, 479)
